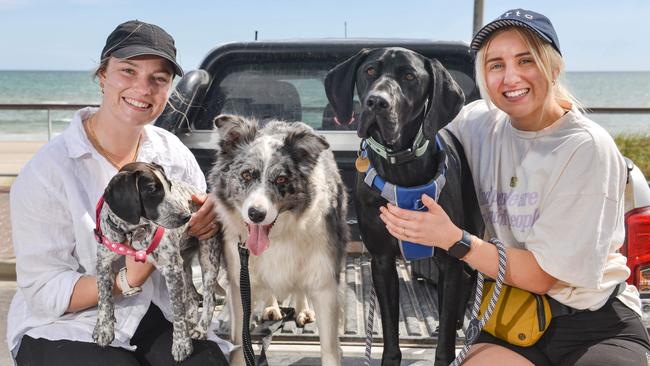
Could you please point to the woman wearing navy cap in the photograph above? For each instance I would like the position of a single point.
(53, 313)
(550, 184)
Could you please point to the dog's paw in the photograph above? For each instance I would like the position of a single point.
(181, 349)
(198, 333)
(304, 317)
(272, 313)
(103, 335)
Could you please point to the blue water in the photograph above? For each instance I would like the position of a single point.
(42, 87)
(594, 89)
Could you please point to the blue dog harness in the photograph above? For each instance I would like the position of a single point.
(410, 198)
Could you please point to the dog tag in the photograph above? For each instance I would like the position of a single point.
(362, 164)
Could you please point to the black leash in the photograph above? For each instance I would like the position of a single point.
(245, 290)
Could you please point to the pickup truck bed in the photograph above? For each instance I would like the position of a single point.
(418, 311)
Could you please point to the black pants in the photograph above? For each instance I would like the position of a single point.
(153, 339)
(611, 335)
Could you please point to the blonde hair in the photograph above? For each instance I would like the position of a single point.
(547, 59)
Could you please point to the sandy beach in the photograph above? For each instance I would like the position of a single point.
(13, 155)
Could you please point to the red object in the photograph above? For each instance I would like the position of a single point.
(119, 248)
(637, 242)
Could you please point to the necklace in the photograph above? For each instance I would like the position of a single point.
(514, 179)
(111, 158)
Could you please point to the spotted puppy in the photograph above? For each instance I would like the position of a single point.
(137, 201)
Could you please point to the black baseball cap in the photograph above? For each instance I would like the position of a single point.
(536, 22)
(136, 38)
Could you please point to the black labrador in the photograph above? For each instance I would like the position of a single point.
(404, 96)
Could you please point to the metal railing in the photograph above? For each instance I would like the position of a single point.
(618, 110)
(49, 107)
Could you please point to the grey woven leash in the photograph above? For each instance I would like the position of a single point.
(370, 321)
(476, 324)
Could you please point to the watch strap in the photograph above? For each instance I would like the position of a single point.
(127, 290)
(460, 248)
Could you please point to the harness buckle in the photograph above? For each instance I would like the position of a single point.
(400, 157)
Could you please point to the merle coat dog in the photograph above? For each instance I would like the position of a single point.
(278, 189)
(403, 93)
(137, 200)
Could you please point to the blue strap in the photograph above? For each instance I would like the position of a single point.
(410, 198)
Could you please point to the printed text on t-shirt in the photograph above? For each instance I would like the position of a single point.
(495, 206)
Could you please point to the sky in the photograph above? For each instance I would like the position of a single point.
(595, 35)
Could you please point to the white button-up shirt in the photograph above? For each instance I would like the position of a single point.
(52, 216)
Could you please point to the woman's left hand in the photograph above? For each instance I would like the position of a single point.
(203, 223)
(433, 227)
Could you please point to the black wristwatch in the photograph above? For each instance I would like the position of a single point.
(461, 247)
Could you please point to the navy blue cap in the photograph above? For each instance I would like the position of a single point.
(536, 22)
(136, 38)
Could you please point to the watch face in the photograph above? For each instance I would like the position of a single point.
(461, 247)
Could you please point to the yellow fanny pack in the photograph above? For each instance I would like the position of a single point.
(519, 318)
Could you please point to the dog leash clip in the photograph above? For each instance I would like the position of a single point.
(241, 245)
(472, 331)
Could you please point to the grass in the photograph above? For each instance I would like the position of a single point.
(637, 148)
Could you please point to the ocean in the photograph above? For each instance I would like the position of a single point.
(594, 89)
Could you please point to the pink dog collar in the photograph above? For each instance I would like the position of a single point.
(122, 249)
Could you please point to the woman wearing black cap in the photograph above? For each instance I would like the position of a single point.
(550, 184)
(53, 313)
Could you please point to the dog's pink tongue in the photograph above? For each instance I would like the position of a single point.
(258, 238)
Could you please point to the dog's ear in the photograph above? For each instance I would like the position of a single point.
(446, 98)
(339, 85)
(304, 145)
(122, 196)
(234, 130)
(156, 167)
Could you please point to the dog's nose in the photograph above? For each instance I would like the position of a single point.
(256, 215)
(376, 102)
(186, 218)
